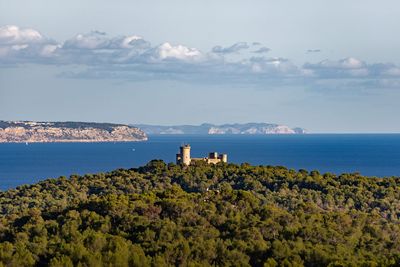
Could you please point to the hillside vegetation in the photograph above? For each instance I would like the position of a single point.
(223, 215)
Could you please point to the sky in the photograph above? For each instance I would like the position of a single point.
(327, 66)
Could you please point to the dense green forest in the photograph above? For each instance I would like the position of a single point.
(222, 215)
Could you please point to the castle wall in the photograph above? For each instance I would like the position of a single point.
(184, 157)
(213, 161)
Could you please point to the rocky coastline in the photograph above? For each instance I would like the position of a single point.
(45, 132)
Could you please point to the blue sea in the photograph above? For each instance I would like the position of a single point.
(369, 154)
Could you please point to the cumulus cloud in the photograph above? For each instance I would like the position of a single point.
(347, 67)
(13, 35)
(97, 47)
(20, 44)
(167, 51)
(351, 68)
(277, 66)
(346, 63)
(131, 57)
(92, 40)
(230, 49)
(96, 40)
(353, 73)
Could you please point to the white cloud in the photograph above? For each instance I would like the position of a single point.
(92, 40)
(132, 57)
(13, 35)
(130, 41)
(23, 44)
(351, 68)
(345, 68)
(273, 66)
(180, 52)
(49, 50)
(351, 63)
(97, 40)
(346, 63)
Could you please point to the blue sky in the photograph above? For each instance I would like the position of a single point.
(328, 66)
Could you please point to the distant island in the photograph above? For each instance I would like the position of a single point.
(35, 132)
(202, 215)
(236, 128)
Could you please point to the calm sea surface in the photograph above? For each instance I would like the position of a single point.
(371, 155)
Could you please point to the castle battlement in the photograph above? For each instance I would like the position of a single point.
(183, 157)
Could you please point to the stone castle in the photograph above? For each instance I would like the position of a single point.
(184, 157)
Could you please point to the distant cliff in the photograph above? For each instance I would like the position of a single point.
(31, 132)
(247, 128)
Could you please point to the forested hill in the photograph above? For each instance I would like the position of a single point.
(223, 215)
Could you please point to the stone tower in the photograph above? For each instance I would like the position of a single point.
(224, 158)
(185, 154)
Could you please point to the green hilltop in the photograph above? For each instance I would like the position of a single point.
(202, 215)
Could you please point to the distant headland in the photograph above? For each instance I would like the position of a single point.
(43, 132)
(236, 128)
